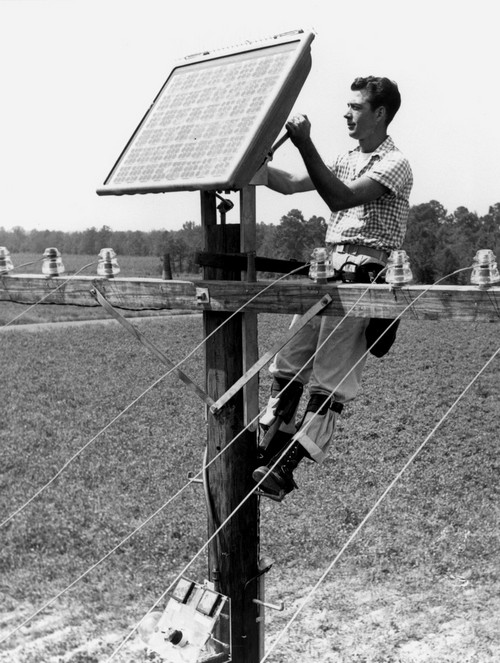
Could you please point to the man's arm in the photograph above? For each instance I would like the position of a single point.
(336, 194)
(285, 182)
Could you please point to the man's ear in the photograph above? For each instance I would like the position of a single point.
(381, 113)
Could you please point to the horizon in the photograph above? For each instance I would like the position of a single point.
(198, 223)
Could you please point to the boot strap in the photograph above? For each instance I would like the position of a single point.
(320, 403)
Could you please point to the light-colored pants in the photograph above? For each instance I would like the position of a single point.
(335, 369)
(337, 366)
(329, 354)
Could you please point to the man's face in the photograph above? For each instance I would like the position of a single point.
(362, 121)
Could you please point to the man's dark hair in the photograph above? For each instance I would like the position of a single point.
(381, 92)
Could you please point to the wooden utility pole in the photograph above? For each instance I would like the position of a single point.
(233, 555)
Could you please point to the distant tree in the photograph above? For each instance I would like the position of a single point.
(266, 242)
(118, 242)
(18, 240)
(290, 235)
(139, 245)
(295, 238)
(178, 252)
(438, 243)
(422, 234)
(316, 231)
(489, 234)
(90, 242)
(158, 242)
(189, 240)
(70, 243)
(463, 239)
(104, 238)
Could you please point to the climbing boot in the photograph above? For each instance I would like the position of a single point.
(277, 444)
(277, 475)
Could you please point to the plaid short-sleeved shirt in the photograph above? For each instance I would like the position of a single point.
(382, 222)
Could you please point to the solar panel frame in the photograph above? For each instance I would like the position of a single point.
(198, 134)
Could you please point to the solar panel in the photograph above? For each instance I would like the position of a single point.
(215, 119)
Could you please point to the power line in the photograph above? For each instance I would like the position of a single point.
(396, 479)
(120, 414)
(340, 553)
(100, 561)
(79, 452)
(375, 507)
(219, 528)
(63, 283)
(192, 480)
(206, 465)
(279, 457)
(365, 354)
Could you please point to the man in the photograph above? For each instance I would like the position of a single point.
(367, 191)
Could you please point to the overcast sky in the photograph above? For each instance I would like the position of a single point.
(78, 75)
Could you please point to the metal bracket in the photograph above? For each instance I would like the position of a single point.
(202, 296)
(271, 606)
(191, 475)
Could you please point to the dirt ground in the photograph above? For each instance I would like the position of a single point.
(345, 621)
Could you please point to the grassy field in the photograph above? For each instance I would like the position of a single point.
(420, 582)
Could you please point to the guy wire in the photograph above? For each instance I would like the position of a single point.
(279, 457)
(202, 472)
(205, 466)
(28, 264)
(78, 453)
(186, 567)
(4, 275)
(365, 354)
(220, 527)
(135, 531)
(217, 531)
(376, 505)
(191, 480)
(344, 547)
(215, 535)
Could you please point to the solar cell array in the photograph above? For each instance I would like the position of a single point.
(214, 120)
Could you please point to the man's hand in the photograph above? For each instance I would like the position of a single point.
(299, 129)
(336, 194)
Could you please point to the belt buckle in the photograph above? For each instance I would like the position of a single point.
(340, 248)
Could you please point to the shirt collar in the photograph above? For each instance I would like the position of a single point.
(385, 146)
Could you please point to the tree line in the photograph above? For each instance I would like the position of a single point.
(437, 242)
